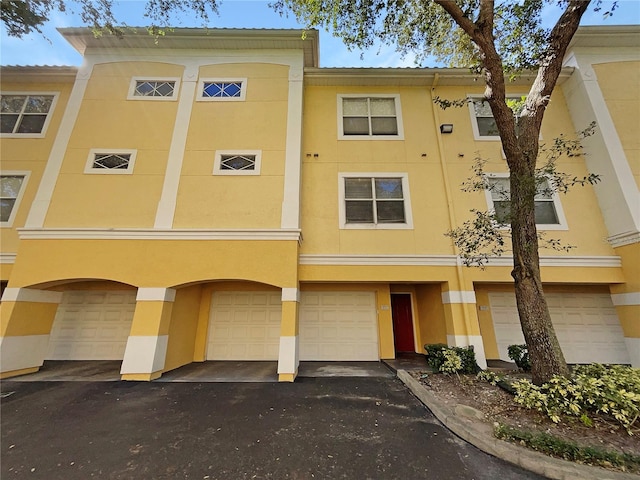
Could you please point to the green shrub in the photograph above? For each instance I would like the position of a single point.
(551, 445)
(520, 355)
(488, 376)
(442, 358)
(608, 390)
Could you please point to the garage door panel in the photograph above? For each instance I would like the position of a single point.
(586, 325)
(92, 325)
(244, 326)
(338, 326)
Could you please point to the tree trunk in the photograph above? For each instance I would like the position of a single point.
(546, 356)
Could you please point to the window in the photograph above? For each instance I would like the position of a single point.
(237, 162)
(549, 214)
(110, 161)
(379, 200)
(25, 115)
(142, 88)
(12, 185)
(482, 121)
(369, 117)
(222, 89)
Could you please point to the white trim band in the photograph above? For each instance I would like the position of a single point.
(156, 234)
(290, 295)
(453, 260)
(155, 294)
(7, 258)
(459, 296)
(623, 239)
(434, 260)
(622, 299)
(31, 295)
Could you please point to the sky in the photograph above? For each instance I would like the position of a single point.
(52, 49)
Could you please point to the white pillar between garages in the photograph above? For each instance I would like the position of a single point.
(288, 357)
(465, 297)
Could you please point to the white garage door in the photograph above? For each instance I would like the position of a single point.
(92, 325)
(244, 326)
(587, 326)
(338, 326)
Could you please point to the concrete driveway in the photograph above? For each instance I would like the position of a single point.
(315, 428)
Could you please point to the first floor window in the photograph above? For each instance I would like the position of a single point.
(369, 117)
(24, 114)
(548, 210)
(375, 201)
(114, 161)
(10, 191)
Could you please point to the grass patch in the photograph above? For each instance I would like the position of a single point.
(557, 447)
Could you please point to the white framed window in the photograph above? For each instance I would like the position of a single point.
(12, 187)
(222, 89)
(374, 201)
(482, 121)
(154, 88)
(369, 117)
(548, 208)
(26, 114)
(110, 161)
(237, 162)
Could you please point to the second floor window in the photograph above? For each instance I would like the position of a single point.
(11, 188)
(222, 89)
(483, 123)
(24, 114)
(369, 117)
(110, 161)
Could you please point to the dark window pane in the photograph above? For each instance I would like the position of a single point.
(546, 214)
(112, 161)
(390, 212)
(388, 188)
(38, 104)
(144, 89)
(487, 127)
(503, 212)
(7, 123)
(6, 205)
(12, 103)
(238, 162)
(357, 188)
(31, 123)
(358, 211)
(165, 89)
(384, 126)
(355, 126)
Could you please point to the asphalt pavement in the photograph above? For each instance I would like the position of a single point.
(316, 428)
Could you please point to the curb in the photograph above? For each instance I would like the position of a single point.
(480, 435)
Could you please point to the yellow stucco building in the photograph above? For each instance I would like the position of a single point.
(219, 196)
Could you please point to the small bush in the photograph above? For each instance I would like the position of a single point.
(520, 355)
(442, 358)
(557, 447)
(488, 376)
(608, 390)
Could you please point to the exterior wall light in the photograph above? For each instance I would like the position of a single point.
(446, 128)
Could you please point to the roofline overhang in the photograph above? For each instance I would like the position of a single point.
(427, 77)
(38, 73)
(84, 40)
(603, 36)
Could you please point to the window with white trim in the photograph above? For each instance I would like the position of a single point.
(237, 162)
(548, 209)
(12, 186)
(369, 117)
(379, 200)
(222, 89)
(25, 115)
(110, 161)
(482, 121)
(143, 88)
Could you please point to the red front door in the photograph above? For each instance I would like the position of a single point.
(402, 322)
